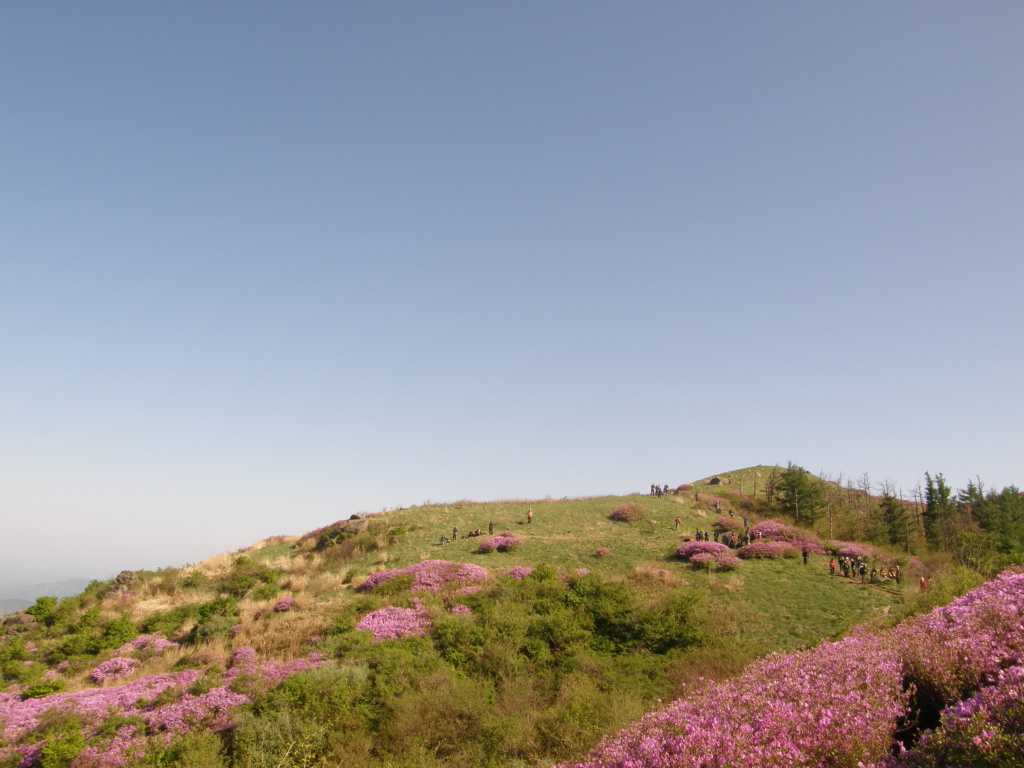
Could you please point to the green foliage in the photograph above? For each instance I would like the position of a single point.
(116, 634)
(21, 672)
(44, 688)
(14, 650)
(798, 494)
(265, 592)
(332, 536)
(195, 580)
(43, 609)
(193, 750)
(64, 739)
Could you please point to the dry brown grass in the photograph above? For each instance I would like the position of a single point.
(325, 584)
(211, 567)
(656, 573)
(730, 584)
(282, 635)
(140, 610)
(269, 542)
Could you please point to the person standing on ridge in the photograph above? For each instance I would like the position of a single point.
(529, 515)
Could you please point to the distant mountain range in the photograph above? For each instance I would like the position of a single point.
(18, 596)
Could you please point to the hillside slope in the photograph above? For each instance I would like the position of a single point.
(598, 622)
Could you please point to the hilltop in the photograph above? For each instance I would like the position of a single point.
(520, 657)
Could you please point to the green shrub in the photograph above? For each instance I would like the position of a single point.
(23, 673)
(265, 592)
(115, 634)
(44, 688)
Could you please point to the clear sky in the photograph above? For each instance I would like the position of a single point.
(265, 265)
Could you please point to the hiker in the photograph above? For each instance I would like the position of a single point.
(863, 573)
(443, 540)
(455, 534)
(898, 574)
(529, 515)
(832, 567)
(490, 528)
(678, 523)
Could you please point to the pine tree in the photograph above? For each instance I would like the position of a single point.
(799, 494)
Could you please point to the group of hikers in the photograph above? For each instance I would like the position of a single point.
(852, 567)
(729, 538)
(490, 531)
(659, 490)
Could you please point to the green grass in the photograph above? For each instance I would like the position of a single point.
(765, 605)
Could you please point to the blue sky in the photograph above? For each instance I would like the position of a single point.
(263, 266)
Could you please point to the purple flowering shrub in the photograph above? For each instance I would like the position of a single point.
(603, 552)
(284, 605)
(777, 530)
(721, 561)
(986, 729)
(836, 704)
(519, 573)
(691, 548)
(147, 645)
(629, 513)
(501, 543)
(950, 651)
(461, 609)
(432, 575)
(161, 709)
(392, 623)
(767, 549)
(116, 667)
(851, 549)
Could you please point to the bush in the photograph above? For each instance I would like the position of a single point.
(44, 688)
(603, 552)
(629, 513)
(768, 549)
(691, 548)
(501, 543)
(265, 592)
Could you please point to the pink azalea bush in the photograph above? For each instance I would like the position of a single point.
(147, 645)
(502, 543)
(603, 552)
(519, 573)
(691, 548)
(432, 575)
(720, 561)
(986, 729)
(392, 623)
(284, 605)
(629, 513)
(161, 723)
(767, 549)
(834, 705)
(777, 530)
(117, 667)
(851, 549)
(461, 609)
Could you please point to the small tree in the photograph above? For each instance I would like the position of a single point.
(799, 494)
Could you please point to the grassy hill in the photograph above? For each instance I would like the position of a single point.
(500, 671)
